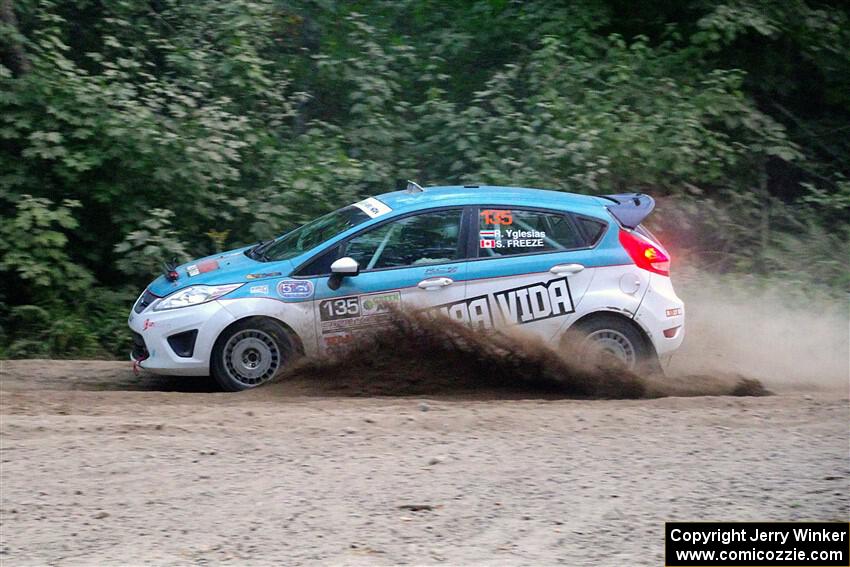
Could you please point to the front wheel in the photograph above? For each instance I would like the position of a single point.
(250, 353)
(609, 339)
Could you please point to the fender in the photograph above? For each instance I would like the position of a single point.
(298, 316)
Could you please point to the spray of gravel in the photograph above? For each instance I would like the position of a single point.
(413, 354)
(788, 336)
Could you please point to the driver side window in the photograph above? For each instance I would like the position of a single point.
(428, 238)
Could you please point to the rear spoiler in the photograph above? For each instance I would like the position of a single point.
(630, 208)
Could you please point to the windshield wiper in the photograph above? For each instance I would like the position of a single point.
(252, 251)
(257, 252)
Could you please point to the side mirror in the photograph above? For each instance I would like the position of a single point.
(341, 268)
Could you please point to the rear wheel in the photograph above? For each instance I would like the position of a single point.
(608, 339)
(250, 353)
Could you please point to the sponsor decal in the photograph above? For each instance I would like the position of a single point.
(295, 289)
(259, 289)
(347, 314)
(373, 207)
(335, 342)
(261, 276)
(441, 270)
(148, 324)
(496, 216)
(202, 268)
(377, 302)
(208, 266)
(516, 306)
(475, 311)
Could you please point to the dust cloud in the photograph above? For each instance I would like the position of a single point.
(787, 337)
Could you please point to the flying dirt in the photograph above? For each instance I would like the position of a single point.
(416, 354)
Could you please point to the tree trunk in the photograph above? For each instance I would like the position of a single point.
(15, 57)
(764, 229)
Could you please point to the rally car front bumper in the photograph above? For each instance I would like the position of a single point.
(177, 341)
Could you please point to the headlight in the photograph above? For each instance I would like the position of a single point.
(194, 295)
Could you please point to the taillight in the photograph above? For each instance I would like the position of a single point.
(645, 253)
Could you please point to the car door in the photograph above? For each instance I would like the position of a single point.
(532, 268)
(415, 262)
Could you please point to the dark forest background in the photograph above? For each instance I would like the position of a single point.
(136, 131)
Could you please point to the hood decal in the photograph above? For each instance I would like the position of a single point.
(261, 276)
(202, 268)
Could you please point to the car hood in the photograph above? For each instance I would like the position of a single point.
(223, 268)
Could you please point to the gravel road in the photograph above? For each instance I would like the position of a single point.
(101, 467)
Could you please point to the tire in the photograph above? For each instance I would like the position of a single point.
(249, 353)
(613, 337)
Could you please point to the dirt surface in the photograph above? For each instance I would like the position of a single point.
(102, 467)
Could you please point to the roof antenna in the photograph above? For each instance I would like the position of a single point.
(413, 187)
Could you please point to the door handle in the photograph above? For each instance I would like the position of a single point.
(566, 269)
(433, 284)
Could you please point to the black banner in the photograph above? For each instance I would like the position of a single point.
(757, 544)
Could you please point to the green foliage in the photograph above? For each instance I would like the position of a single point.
(145, 250)
(604, 122)
(39, 334)
(132, 133)
(33, 247)
(93, 326)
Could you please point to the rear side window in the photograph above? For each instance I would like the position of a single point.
(593, 229)
(508, 232)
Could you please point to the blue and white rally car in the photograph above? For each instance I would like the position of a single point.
(487, 256)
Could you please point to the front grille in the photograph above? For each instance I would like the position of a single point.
(146, 299)
(140, 349)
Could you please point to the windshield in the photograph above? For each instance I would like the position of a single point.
(312, 234)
